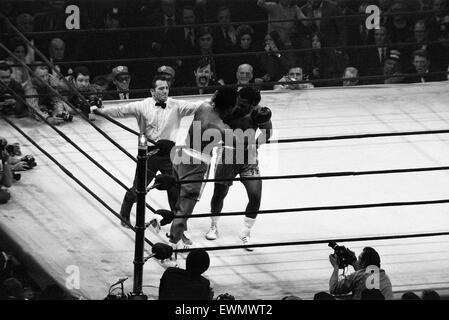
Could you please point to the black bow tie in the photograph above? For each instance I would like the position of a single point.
(161, 104)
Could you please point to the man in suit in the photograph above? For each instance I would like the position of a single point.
(374, 58)
(423, 69)
(332, 30)
(225, 35)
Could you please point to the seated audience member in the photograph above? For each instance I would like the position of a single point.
(225, 35)
(170, 73)
(294, 74)
(399, 26)
(9, 105)
(101, 84)
(81, 81)
(409, 295)
(205, 41)
(355, 282)
(188, 284)
(324, 64)
(422, 67)
(245, 44)
(42, 100)
(21, 54)
(121, 80)
(349, 76)
(282, 10)
(57, 54)
(6, 175)
(430, 295)
(204, 79)
(392, 68)
(244, 75)
(275, 63)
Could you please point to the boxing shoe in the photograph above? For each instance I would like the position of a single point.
(212, 234)
(124, 224)
(186, 240)
(245, 237)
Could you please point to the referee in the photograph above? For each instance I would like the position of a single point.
(158, 117)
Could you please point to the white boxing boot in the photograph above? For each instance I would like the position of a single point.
(212, 234)
(245, 234)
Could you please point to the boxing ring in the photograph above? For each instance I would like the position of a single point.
(58, 225)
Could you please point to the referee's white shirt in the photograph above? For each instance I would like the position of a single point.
(156, 122)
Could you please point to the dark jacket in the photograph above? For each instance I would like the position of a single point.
(179, 284)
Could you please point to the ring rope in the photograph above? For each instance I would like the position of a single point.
(320, 175)
(251, 53)
(71, 175)
(323, 208)
(217, 24)
(309, 242)
(63, 135)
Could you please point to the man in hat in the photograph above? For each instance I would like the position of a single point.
(121, 80)
(169, 72)
(392, 68)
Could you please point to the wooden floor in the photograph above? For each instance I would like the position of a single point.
(59, 225)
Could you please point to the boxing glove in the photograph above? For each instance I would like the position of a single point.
(261, 115)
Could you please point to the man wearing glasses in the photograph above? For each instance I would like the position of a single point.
(121, 80)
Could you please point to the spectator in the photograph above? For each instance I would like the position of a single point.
(374, 58)
(422, 68)
(42, 101)
(225, 296)
(8, 103)
(225, 35)
(81, 81)
(282, 10)
(188, 284)
(121, 79)
(245, 44)
(57, 55)
(184, 44)
(25, 22)
(348, 77)
(393, 69)
(109, 45)
(356, 282)
(294, 74)
(275, 63)
(6, 178)
(159, 39)
(436, 21)
(409, 295)
(170, 73)
(399, 26)
(430, 295)
(205, 47)
(12, 289)
(331, 30)
(21, 54)
(244, 75)
(325, 64)
(204, 78)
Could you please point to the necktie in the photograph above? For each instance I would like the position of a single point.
(161, 104)
(170, 22)
(190, 37)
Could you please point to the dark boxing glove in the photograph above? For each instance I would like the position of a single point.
(261, 115)
(164, 146)
(167, 216)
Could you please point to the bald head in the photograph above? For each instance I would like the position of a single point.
(244, 73)
(57, 49)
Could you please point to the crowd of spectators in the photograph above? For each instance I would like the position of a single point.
(405, 49)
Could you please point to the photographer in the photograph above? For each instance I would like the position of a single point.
(5, 173)
(368, 272)
(8, 104)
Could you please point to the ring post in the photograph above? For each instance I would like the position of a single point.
(142, 157)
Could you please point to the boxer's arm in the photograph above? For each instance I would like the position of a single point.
(266, 131)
